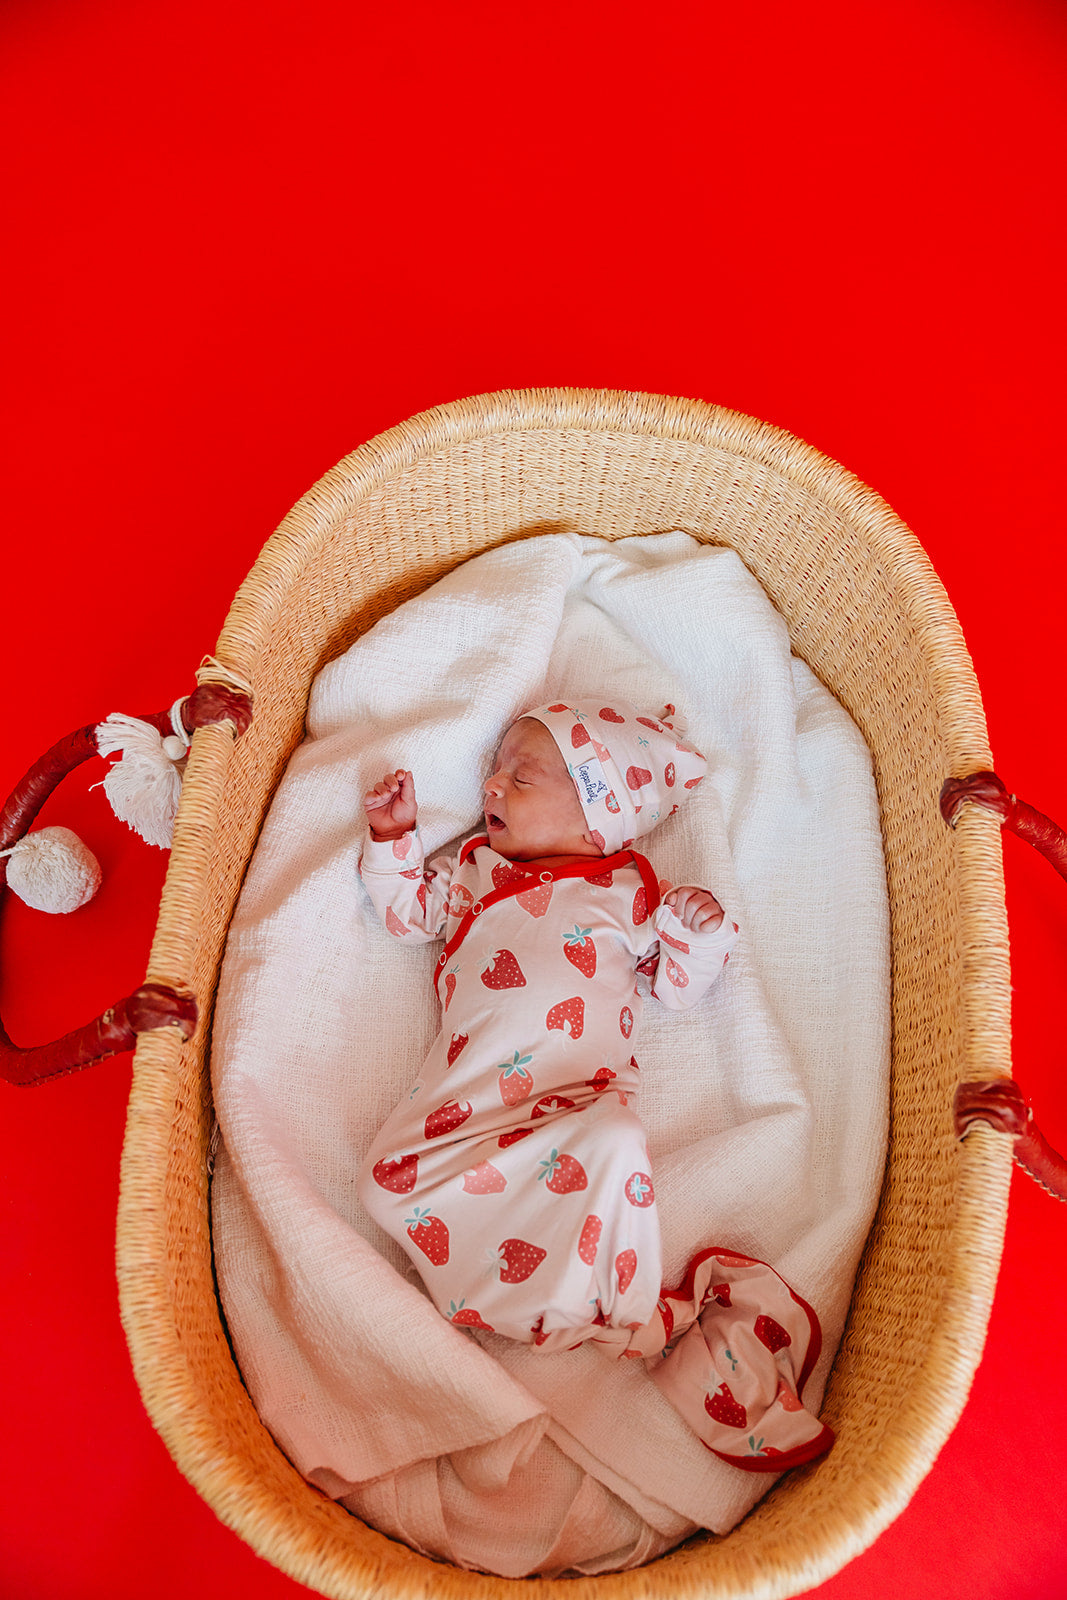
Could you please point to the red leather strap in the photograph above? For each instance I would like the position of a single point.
(999, 1102)
(153, 1005)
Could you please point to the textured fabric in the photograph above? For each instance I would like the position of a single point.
(765, 1105)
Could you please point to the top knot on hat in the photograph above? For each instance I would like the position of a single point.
(631, 770)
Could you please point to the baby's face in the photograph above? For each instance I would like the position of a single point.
(531, 805)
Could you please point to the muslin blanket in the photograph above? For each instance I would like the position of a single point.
(765, 1105)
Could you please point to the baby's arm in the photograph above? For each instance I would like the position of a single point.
(410, 897)
(695, 939)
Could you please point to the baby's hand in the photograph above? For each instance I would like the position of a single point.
(696, 909)
(390, 805)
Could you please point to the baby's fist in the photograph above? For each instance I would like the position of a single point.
(696, 909)
(390, 806)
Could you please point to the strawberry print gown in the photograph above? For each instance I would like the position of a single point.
(516, 1172)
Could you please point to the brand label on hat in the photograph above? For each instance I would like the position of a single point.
(589, 776)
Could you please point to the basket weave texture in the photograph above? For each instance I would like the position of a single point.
(866, 611)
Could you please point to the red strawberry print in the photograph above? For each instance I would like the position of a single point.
(639, 1190)
(401, 846)
(568, 1015)
(460, 900)
(420, 896)
(506, 872)
(668, 774)
(411, 872)
(675, 944)
(729, 1258)
(564, 1174)
(514, 1081)
(484, 1179)
(580, 736)
(580, 950)
(722, 1407)
(536, 901)
(447, 1118)
(600, 1080)
(626, 1022)
(640, 910)
(608, 715)
(465, 1316)
(518, 1260)
(647, 722)
(626, 1266)
(772, 1334)
(720, 1293)
(393, 922)
(559, 708)
(398, 1176)
(691, 783)
(430, 1234)
(548, 1104)
(450, 986)
(602, 751)
(786, 1398)
(676, 974)
(459, 1042)
(513, 1137)
(503, 972)
(597, 837)
(604, 879)
(612, 803)
(637, 777)
(589, 1239)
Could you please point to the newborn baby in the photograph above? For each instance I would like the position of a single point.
(516, 1172)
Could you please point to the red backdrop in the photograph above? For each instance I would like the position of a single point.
(242, 239)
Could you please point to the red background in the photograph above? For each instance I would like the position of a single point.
(244, 238)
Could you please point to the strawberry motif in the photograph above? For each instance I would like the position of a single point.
(589, 1239)
(675, 944)
(401, 846)
(536, 901)
(691, 783)
(559, 708)
(548, 1104)
(506, 872)
(786, 1398)
(597, 838)
(513, 1137)
(603, 879)
(602, 751)
(411, 872)
(676, 974)
(394, 924)
(626, 1267)
(580, 950)
(517, 1259)
(637, 777)
(580, 736)
(568, 1015)
(460, 900)
(514, 1081)
(503, 972)
(626, 1022)
(611, 803)
(398, 1176)
(459, 1042)
(564, 1173)
(720, 1292)
(608, 715)
(730, 1258)
(447, 1118)
(430, 1234)
(484, 1179)
(668, 774)
(465, 1316)
(772, 1334)
(640, 910)
(600, 1080)
(722, 1407)
(639, 1190)
(450, 986)
(647, 722)
(420, 896)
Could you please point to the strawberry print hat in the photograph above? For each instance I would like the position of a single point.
(630, 770)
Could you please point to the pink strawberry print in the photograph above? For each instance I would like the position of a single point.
(397, 1175)
(514, 1081)
(568, 1015)
(460, 900)
(549, 1104)
(675, 944)
(580, 736)
(559, 708)
(640, 910)
(722, 1407)
(608, 715)
(430, 1234)
(637, 777)
(602, 879)
(668, 774)
(772, 1334)
(459, 1043)
(676, 974)
(402, 846)
(601, 1079)
(602, 751)
(647, 722)
(465, 1316)
(639, 1191)
(612, 803)
(394, 924)
(786, 1398)
(447, 1118)
(597, 838)
(580, 950)
(484, 1179)
(513, 1137)
(626, 1267)
(691, 783)
(506, 872)
(503, 972)
(562, 1173)
(589, 1239)
(626, 1022)
(536, 901)
(518, 1259)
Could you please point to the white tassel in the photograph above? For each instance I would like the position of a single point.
(52, 870)
(144, 787)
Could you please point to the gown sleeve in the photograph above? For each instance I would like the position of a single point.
(682, 963)
(409, 894)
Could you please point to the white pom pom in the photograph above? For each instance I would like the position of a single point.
(145, 786)
(52, 870)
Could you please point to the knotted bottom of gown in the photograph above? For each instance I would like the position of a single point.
(731, 1348)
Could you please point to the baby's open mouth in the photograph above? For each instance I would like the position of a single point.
(493, 821)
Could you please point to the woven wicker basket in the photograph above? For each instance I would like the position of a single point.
(867, 612)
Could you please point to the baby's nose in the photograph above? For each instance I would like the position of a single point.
(492, 783)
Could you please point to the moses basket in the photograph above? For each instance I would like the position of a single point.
(867, 613)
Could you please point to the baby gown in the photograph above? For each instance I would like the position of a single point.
(516, 1172)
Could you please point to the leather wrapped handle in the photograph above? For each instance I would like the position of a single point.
(999, 1102)
(153, 1005)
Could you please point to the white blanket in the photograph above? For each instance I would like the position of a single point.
(766, 1105)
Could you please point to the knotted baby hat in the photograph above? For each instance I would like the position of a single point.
(630, 770)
